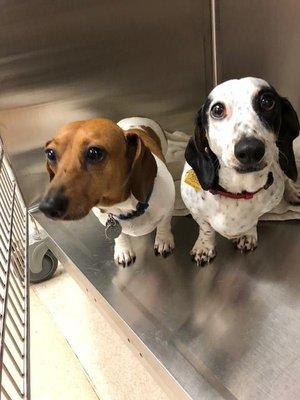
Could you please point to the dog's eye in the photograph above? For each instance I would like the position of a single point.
(95, 155)
(267, 102)
(51, 155)
(218, 111)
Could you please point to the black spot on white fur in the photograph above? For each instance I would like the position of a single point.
(271, 119)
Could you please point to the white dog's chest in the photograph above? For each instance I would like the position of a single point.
(231, 217)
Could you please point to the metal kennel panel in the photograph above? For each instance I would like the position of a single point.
(118, 59)
(14, 295)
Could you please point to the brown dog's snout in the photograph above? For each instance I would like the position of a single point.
(54, 205)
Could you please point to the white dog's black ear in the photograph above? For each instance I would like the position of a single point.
(199, 155)
(289, 130)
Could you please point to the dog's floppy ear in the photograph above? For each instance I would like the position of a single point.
(200, 157)
(289, 130)
(143, 167)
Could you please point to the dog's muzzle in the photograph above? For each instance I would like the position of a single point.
(249, 152)
(54, 205)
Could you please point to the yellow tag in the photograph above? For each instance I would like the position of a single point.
(192, 180)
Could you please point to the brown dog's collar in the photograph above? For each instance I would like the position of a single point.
(243, 195)
(140, 209)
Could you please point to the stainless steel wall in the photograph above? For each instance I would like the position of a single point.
(62, 61)
(261, 38)
(67, 60)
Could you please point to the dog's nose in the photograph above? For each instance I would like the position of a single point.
(54, 206)
(249, 151)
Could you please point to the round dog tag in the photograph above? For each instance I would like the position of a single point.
(113, 228)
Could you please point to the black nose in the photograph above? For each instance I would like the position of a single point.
(249, 151)
(54, 206)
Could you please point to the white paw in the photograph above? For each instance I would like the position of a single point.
(164, 244)
(124, 256)
(203, 254)
(246, 243)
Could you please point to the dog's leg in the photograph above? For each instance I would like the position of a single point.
(204, 250)
(123, 252)
(248, 241)
(292, 193)
(164, 239)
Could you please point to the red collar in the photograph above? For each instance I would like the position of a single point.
(243, 195)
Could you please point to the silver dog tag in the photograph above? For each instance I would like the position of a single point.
(113, 228)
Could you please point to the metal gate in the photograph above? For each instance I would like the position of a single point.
(14, 288)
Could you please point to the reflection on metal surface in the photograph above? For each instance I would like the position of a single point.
(213, 12)
(232, 326)
(261, 38)
(65, 61)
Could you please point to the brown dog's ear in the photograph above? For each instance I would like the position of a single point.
(289, 130)
(200, 157)
(143, 167)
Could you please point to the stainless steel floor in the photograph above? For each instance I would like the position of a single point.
(230, 330)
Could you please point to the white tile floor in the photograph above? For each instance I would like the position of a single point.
(56, 372)
(76, 354)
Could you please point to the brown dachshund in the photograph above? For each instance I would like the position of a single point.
(119, 171)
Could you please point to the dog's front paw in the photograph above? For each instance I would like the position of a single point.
(246, 243)
(124, 256)
(203, 255)
(164, 244)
